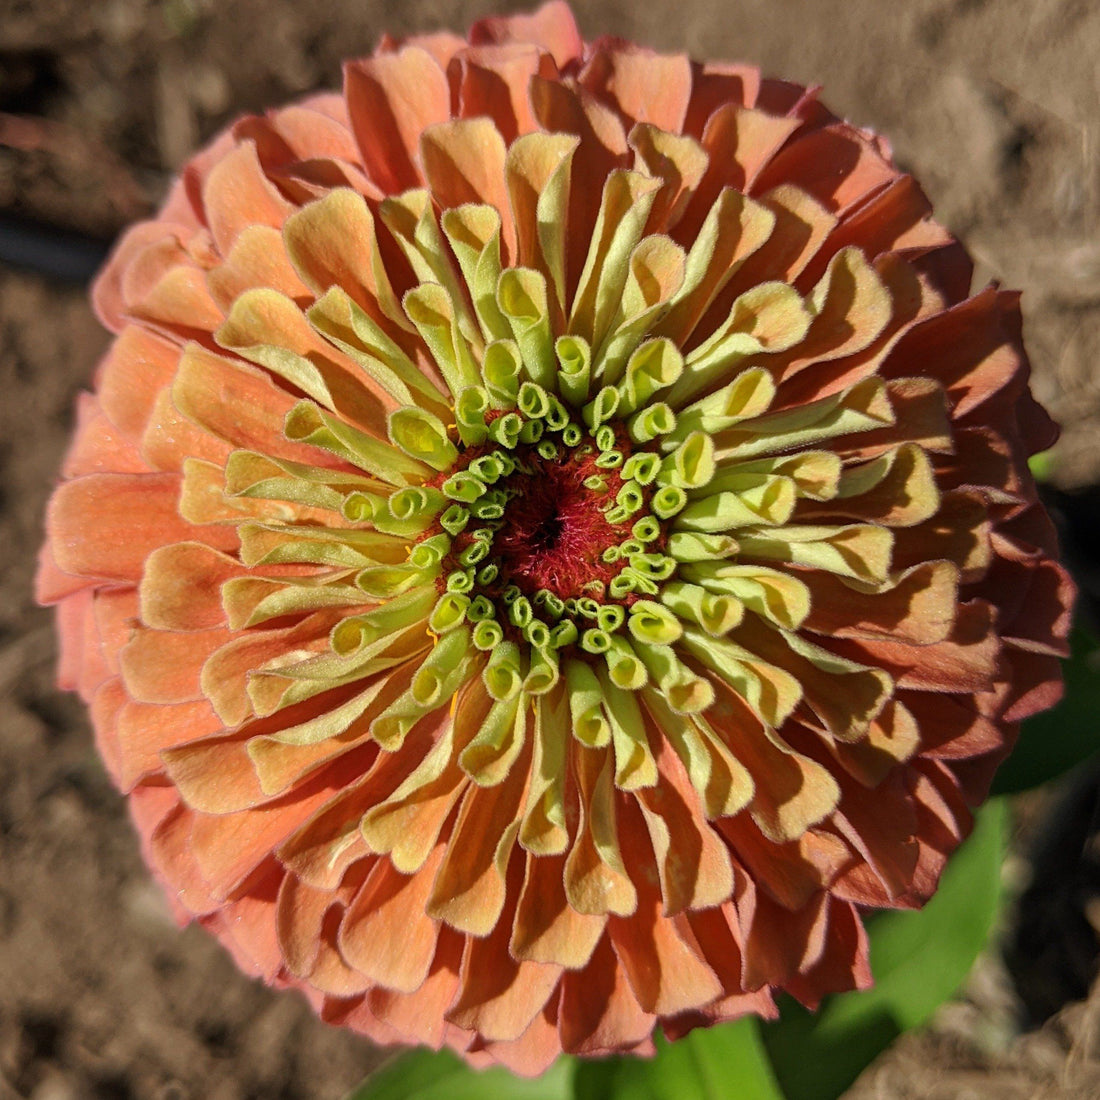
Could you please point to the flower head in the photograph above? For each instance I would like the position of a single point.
(551, 543)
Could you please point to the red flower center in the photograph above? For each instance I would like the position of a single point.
(555, 532)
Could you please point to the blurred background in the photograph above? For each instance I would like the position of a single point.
(993, 104)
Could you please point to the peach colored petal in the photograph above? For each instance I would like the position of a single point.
(599, 1012)
(551, 26)
(665, 973)
(470, 889)
(236, 194)
(135, 513)
(236, 403)
(425, 1007)
(145, 730)
(498, 996)
(74, 615)
(137, 366)
(836, 165)
(181, 587)
(492, 81)
(248, 923)
(104, 707)
(547, 928)
(392, 99)
(642, 86)
(97, 446)
(715, 84)
(164, 666)
(257, 259)
(386, 933)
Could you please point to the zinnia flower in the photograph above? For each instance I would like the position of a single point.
(551, 544)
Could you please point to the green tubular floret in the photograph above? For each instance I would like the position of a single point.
(360, 507)
(575, 358)
(501, 367)
(488, 468)
(631, 546)
(537, 633)
(594, 641)
(622, 585)
(450, 611)
(415, 502)
(423, 436)
(488, 573)
(604, 436)
(548, 450)
(382, 582)
(647, 529)
(610, 460)
(505, 429)
(692, 464)
(557, 415)
(464, 486)
(572, 434)
(564, 634)
(480, 610)
(475, 552)
(487, 509)
(470, 410)
(684, 691)
(668, 501)
(543, 673)
(601, 408)
(610, 617)
(658, 567)
(488, 634)
(587, 607)
(520, 612)
(654, 623)
(642, 467)
(510, 594)
(624, 667)
(652, 421)
(630, 498)
(590, 725)
(595, 483)
(430, 552)
(531, 432)
(640, 584)
(533, 401)
(461, 580)
(503, 675)
(555, 606)
(611, 555)
(454, 519)
(433, 678)
(691, 546)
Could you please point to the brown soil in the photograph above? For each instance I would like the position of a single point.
(992, 103)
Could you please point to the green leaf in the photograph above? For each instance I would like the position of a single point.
(1056, 740)
(721, 1063)
(440, 1075)
(919, 959)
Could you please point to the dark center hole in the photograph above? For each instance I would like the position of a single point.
(545, 536)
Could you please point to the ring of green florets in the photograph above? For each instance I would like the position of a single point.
(631, 491)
